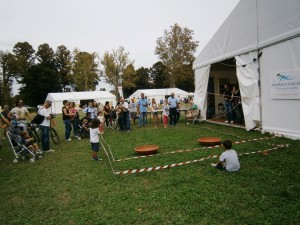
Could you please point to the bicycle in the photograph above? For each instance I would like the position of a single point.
(33, 130)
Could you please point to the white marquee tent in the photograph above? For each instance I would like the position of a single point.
(159, 94)
(98, 96)
(263, 37)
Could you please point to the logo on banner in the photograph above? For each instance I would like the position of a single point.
(285, 85)
(284, 77)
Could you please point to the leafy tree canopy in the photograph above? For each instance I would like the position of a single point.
(175, 49)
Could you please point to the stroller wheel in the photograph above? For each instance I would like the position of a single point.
(40, 156)
(32, 160)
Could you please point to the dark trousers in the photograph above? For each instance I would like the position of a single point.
(173, 116)
(45, 137)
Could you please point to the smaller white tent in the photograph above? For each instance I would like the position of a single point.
(98, 96)
(158, 94)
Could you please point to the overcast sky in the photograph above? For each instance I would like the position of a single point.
(99, 26)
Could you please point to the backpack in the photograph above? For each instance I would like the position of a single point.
(38, 119)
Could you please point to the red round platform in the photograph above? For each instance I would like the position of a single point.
(147, 149)
(210, 141)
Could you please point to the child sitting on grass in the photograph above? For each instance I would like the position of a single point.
(30, 143)
(228, 160)
(94, 138)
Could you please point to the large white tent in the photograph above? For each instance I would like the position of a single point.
(159, 94)
(263, 38)
(98, 96)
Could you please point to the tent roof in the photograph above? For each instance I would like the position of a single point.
(159, 92)
(250, 26)
(80, 95)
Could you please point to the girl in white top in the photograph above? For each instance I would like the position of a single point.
(94, 138)
(165, 109)
(154, 108)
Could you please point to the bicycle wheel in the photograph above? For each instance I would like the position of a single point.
(54, 136)
(34, 134)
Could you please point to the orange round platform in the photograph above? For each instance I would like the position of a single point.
(210, 141)
(146, 149)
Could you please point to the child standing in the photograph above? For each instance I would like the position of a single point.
(94, 138)
(101, 118)
(165, 109)
(228, 160)
(154, 108)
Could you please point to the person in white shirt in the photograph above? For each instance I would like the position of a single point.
(20, 113)
(44, 127)
(228, 160)
(133, 110)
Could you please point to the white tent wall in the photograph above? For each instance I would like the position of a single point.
(280, 115)
(248, 78)
(272, 27)
(201, 82)
(252, 24)
(98, 96)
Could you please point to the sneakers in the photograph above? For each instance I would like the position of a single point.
(79, 138)
(231, 121)
(213, 164)
(226, 121)
(96, 159)
(50, 150)
(69, 139)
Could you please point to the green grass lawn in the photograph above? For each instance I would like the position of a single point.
(67, 187)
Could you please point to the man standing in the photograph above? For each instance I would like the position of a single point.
(44, 127)
(173, 103)
(142, 108)
(20, 112)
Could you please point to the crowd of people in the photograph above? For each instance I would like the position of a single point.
(97, 117)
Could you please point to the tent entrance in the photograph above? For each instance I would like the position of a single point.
(221, 73)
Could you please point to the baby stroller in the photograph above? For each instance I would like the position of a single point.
(20, 151)
(83, 133)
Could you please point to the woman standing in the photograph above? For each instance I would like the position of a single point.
(66, 118)
(106, 110)
(237, 105)
(74, 119)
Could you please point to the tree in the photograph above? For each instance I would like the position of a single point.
(6, 77)
(176, 49)
(129, 80)
(85, 71)
(158, 75)
(115, 64)
(24, 55)
(143, 78)
(40, 79)
(63, 62)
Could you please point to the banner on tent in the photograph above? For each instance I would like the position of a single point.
(285, 85)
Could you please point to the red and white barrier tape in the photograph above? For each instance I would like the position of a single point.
(190, 150)
(149, 169)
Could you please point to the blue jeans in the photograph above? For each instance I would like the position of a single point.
(142, 119)
(228, 110)
(68, 129)
(45, 137)
(75, 127)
